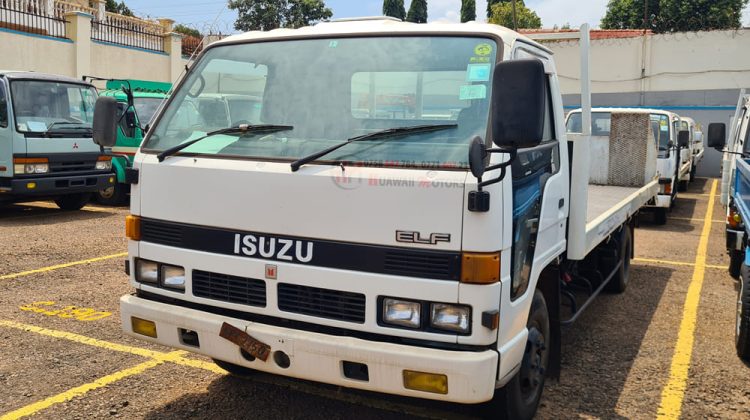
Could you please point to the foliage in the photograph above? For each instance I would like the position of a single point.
(264, 15)
(119, 8)
(468, 10)
(502, 14)
(182, 29)
(417, 11)
(491, 3)
(394, 8)
(674, 15)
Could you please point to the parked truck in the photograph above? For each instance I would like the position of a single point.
(431, 247)
(695, 131)
(137, 102)
(737, 157)
(46, 147)
(674, 158)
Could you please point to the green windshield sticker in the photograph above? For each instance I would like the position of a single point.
(479, 60)
(478, 73)
(483, 50)
(469, 92)
(333, 44)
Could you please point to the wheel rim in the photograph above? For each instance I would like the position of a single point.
(739, 313)
(107, 192)
(532, 367)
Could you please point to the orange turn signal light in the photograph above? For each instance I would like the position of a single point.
(104, 158)
(133, 227)
(668, 188)
(480, 267)
(21, 161)
(734, 219)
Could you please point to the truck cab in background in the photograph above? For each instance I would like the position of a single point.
(146, 98)
(695, 132)
(684, 150)
(665, 135)
(46, 146)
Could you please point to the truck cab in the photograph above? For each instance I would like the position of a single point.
(670, 155)
(146, 96)
(695, 132)
(46, 146)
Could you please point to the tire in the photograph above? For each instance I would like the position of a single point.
(115, 195)
(692, 172)
(682, 186)
(619, 282)
(660, 215)
(742, 331)
(73, 201)
(233, 369)
(735, 263)
(519, 398)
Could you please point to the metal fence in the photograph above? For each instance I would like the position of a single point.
(28, 17)
(191, 44)
(127, 35)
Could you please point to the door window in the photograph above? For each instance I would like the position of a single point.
(3, 107)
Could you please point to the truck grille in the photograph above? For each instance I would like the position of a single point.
(226, 288)
(323, 303)
(68, 167)
(161, 233)
(406, 263)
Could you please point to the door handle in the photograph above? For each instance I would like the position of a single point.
(561, 203)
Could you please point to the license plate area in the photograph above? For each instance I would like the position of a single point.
(245, 341)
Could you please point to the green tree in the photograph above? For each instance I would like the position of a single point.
(394, 8)
(119, 8)
(264, 15)
(491, 3)
(468, 10)
(417, 11)
(674, 15)
(502, 14)
(182, 29)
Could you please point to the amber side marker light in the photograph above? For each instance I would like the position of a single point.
(734, 219)
(427, 382)
(133, 227)
(667, 188)
(143, 327)
(480, 267)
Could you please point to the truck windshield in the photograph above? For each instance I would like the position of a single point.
(146, 108)
(600, 123)
(330, 90)
(46, 106)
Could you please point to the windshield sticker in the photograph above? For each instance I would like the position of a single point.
(483, 50)
(333, 44)
(479, 60)
(36, 126)
(469, 92)
(478, 73)
(664, 125)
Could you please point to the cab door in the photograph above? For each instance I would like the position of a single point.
(6, 134)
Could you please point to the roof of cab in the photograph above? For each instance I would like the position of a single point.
(30, 75)
(381, 25)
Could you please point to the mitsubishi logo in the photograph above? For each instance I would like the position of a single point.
(75, 145)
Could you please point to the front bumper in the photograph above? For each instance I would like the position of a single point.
(61, 185)
(319, 357)
(662, 200)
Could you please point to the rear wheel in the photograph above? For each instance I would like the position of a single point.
(619, 282)
(233, 369)
(692, 172)
(660, 215)
(115, 195)
(735, 263)
(742, 332)
(73, 201)
(682, 186)
(519, 399)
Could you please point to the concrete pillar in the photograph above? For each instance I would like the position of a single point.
(167, 24)
(173, 47)
(78, 29)
(101, 9)
(48, 7)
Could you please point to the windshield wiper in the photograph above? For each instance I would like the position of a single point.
(240, 129)
(66, 123)
(383, 134)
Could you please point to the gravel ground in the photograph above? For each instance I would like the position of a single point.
(616, 358)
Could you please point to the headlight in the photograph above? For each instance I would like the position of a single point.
(450, 317)
(103, 165)
(31, 168)
(401, 312)
(173, 277)
(146, 271)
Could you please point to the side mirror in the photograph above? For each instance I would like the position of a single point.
(683, 139)
(477, 155)
(105, 121)
(519, 101)
(717, 135)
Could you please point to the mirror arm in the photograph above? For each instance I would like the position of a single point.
(502, 166)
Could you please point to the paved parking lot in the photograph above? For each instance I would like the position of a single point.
(665, 345)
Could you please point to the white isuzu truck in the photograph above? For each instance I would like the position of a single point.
(675, 158)
(407, 215)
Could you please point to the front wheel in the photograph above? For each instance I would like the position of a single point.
(520, 397)
(73, 201)
(742, 331)
(619, 282)
(114, 195)
(682, 186)
(735, 263)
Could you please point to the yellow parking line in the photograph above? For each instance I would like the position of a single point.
(59, 266)
(151, 354)
(668, 262)
(80, 390)
(674, 391)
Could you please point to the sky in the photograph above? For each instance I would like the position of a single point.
(201, 14)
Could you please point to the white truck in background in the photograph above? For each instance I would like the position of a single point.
(408, 217)
(695, 131)
(675, 154)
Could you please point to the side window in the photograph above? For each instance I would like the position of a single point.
(3, 107)
(531, 170)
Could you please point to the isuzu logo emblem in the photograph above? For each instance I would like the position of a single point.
(271, 271)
